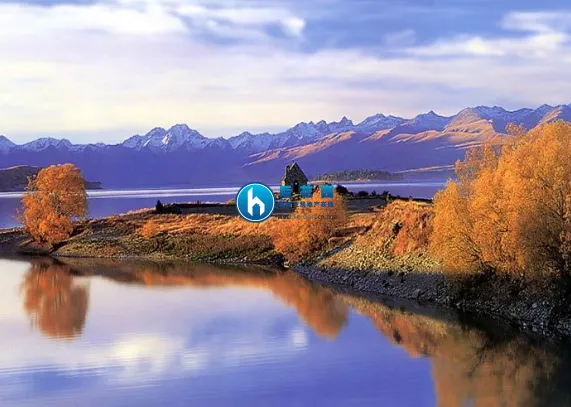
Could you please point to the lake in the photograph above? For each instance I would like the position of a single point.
(107, 333)
(104, 203)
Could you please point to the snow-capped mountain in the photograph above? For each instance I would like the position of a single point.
(251, 143)
(5, 144)
(177, 137)
(380, 122)
(219, 143)
(45, 142)
(301, 133)
(182, 138)
(426, 121)
(181, 155)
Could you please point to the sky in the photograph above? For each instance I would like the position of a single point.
(102, 70)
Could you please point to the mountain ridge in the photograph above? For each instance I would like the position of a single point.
(181, 136)
(181, 155)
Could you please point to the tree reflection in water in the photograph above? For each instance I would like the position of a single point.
(476, 363)
(320, 308)
(473, 363)
(55, 303)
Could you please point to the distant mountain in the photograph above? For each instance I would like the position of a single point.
(178, 137)
(5, 145)
(16, 178)
(182, 156)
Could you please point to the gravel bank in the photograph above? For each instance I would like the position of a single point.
(539, 309)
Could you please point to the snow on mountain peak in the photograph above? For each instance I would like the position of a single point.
(180, 137)
(45, 142)
(543, 109)
(380, 122)
(5, 144)
(159, 139)
(343, 125)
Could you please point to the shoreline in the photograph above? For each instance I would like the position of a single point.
(539, 313)
(361, 257)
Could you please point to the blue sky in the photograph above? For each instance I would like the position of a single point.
(102, 70)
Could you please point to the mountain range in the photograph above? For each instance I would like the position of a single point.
(183, 156)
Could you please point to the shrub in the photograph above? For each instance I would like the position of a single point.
(509, 211)
(149, 229)
(362, 194)
(296, 238)
(52, 200)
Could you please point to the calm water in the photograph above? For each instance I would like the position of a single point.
(111, 202)
(106, 333)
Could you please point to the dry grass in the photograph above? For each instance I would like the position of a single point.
(212, 236)
(298, 239)
(401, 228)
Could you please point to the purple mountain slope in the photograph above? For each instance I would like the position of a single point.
(182, 156)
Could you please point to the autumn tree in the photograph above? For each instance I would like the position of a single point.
(509, 212)
(53, 199)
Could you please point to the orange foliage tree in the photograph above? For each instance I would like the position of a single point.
(52, 200)
(509, 211)
(308, 229)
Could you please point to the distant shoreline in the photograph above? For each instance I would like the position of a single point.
(15, 179)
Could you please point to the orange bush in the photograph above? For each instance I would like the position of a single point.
(149, 229)
(511, 211)
(308, 230)
(52, 199)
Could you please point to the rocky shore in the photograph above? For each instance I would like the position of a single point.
(539, 309)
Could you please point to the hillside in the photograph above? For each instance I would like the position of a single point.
(183, 156)
(16, 178)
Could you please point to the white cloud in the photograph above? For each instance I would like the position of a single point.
(244, 18)
(540, 22)
(94, 73)
(548, 35)
(18, 20)
(293, 26)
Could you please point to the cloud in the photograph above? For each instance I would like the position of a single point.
(19, 20)
(294, 26)
(548, 35)
(400, 38)
(133, 65)
(145, 17)
(253, 19)
(539, 22)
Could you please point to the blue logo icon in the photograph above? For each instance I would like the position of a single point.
(285, 191)
(306, 191)
(255, 202)
(327, 191)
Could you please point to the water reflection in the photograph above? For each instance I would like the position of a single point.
(55, 303)
(229, 333)
(318, 307)
(475, 363)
